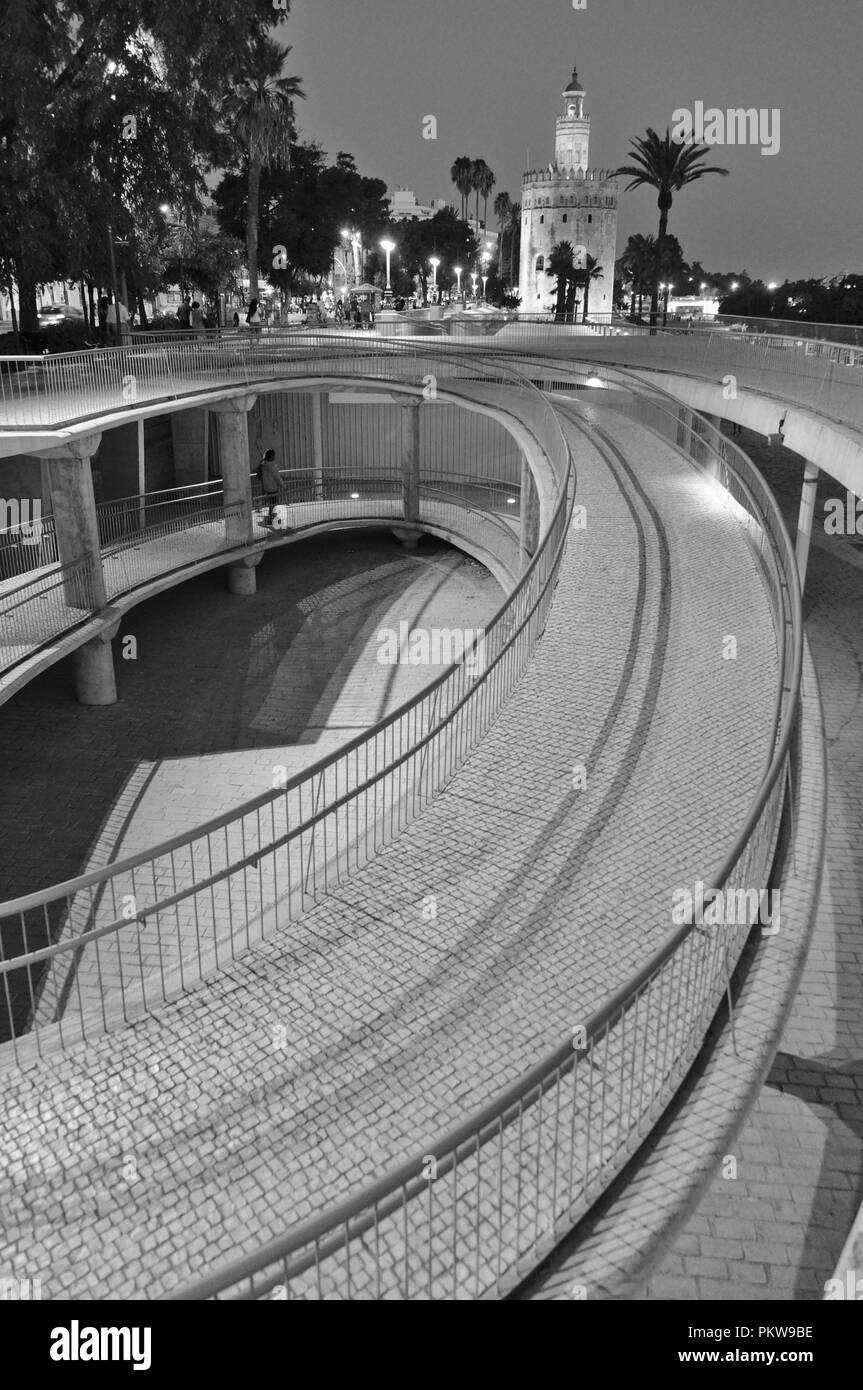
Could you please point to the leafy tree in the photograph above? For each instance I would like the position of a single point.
(668, 166)
(77, 78)
(445, 235)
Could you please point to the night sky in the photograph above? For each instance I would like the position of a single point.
(492, 72)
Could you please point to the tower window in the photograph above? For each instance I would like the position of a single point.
(540, 264)
(590, 217)
(564, 217)
(542, 217)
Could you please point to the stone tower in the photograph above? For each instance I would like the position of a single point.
(568, 201)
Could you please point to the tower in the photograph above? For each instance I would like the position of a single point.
(568, 201)
(573, 128)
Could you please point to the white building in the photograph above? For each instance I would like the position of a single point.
(568, 201)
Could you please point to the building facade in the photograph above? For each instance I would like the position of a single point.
(568, 201)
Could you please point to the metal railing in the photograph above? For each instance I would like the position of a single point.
(479, 1206)
(512, 1176)
(177, 886)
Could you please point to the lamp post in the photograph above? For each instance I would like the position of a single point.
(457, 269)
(667, 288)
(388, 247)
(473, 279)
(434, 262)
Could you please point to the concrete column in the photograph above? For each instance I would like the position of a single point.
(318, 443)
(73, 504)
(528, 516)
(804, 522)
(410, 460)
(235, 466)
(95, 682)
(241, 577)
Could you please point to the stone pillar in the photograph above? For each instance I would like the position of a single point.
(241, 577)
(528, 516)
(318, 443)
(804, 522)
(95, 682)
(236, 477)
(410, 460)
(73, 504)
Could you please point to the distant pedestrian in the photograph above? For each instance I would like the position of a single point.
(196, 319)
(184, 314)
(271, 484)
(236, 319)
(253, 317)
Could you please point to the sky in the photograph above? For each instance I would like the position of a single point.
(492, 72)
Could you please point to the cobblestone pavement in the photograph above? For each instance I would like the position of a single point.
(326, 1054)
(777, 1231)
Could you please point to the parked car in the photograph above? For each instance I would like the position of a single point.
(52, 314)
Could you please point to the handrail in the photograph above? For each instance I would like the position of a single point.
(332, 1229)
(82, 883)
(493, 1120)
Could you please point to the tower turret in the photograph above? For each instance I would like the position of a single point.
(572, 136)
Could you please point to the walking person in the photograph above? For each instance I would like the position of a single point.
(271, 485)
(196, 319)
(184, 314)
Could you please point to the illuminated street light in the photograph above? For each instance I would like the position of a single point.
(457, 269)
(388, 247)
(434, 262)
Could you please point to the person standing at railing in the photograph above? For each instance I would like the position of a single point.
(196, 319)
(184, 314)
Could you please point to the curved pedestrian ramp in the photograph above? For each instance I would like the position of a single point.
(464, 995)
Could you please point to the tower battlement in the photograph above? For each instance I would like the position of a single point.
(552, 173)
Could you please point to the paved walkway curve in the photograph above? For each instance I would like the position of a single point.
(201, 1132)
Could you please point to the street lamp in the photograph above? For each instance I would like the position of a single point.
(473, 278)
(434, 262)
(773, 285)
(388, 247)
(667, 288)
(457, 269)
(484, 283)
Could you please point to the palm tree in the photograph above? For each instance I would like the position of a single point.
(502, 211)
(485, 184)
(460, 173)
(477, 174)
(592, 270)
(637, 262)
(514, 238)
(666, 165)
(562, 266)
(258, 113)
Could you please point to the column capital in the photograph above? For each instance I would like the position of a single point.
(411, 402)
(80, 446)
(237, 405)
